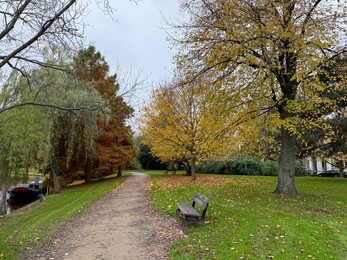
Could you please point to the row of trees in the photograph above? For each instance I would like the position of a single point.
(81, 130)
(60, 110)
(253, 76)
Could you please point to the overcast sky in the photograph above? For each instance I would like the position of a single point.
(136, 40)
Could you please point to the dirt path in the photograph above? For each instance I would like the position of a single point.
(120, 226)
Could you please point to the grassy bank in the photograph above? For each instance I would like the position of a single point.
(246, 221)
(33, 225)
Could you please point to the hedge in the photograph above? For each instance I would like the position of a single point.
(245, 165)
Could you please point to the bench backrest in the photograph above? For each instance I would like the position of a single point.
(201, 200)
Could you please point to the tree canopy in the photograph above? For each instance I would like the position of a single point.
(113, 147)
(185, 123)
(268, 54)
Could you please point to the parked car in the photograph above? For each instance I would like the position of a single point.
(329, 173)
(24, 194)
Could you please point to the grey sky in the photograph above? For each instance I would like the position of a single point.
(136, 40)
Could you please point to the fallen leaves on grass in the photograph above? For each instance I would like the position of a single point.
(179, 180)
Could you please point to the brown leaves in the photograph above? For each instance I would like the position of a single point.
(179, 180)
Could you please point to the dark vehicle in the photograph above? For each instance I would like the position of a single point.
(329, 173)
(25, 193)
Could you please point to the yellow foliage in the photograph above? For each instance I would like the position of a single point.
(264, 59)
(184, 121)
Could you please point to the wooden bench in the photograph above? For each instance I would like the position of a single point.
(190, 212)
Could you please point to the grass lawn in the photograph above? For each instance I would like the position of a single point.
(246, 221)
(32, 225)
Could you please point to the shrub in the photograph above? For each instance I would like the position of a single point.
(300, 170)
(248, 166)
(270, 168)
(245, 165)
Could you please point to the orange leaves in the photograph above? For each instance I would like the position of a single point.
(173, 181)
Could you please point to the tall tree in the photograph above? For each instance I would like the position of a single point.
(114, 147)
(269, 54)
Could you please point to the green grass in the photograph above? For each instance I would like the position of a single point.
(247, 221)
(33, 225)
(244, 219)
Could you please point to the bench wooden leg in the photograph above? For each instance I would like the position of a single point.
(191, 221)
(185, 223)
(178, 213)
(201, 222)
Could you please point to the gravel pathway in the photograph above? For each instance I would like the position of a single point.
(120, 226)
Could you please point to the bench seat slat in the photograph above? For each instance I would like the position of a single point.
(188, 210)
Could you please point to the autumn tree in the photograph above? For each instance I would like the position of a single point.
(184, 123)
(269, 55)
(259, 137)
(114, 147)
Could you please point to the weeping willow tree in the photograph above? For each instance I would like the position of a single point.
(73, 111)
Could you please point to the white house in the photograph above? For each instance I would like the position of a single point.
(317, 166)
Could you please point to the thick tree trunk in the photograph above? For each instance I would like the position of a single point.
(120, 172)
(286, 182)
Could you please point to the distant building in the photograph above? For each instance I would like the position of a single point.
(317, 166)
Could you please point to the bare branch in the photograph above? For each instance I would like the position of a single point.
(38, 104)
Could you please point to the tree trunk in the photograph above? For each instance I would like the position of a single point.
(192, 168)
(188, 168)
(26, 175)
(5, 181)
(286, 183)
(120, 173)
(2, 200)
(341, 168)
(88, 171)
(55, 174)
